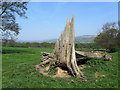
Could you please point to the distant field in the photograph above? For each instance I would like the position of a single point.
(19, 72)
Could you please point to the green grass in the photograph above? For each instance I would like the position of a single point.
(19, 72)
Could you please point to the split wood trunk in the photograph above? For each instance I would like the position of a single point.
(64, 51)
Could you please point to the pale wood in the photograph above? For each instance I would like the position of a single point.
(65, 49)
(93, 54)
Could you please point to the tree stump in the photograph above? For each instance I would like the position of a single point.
(64, 54)
(65, 50)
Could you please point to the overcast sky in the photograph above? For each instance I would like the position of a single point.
(46, 20)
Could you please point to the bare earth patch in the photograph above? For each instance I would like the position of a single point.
(61, 73)
(42, 70)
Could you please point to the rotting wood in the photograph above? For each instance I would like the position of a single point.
(93, 54)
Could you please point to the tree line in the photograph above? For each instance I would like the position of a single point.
(78, 46)
(28, 44)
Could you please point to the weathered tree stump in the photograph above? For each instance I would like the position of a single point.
(65, 56)
(65, 50)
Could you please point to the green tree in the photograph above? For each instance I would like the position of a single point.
(108, 37)
(9, 25)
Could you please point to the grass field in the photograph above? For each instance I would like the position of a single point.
(19, 72)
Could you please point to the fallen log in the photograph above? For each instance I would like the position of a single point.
(93, 54)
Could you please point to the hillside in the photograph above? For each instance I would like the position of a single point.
(85, 38)
(81, 39)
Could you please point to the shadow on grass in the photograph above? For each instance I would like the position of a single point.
(82, 61)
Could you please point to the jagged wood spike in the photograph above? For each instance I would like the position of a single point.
(67, 55)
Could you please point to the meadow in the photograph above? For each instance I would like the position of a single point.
(18, 71)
